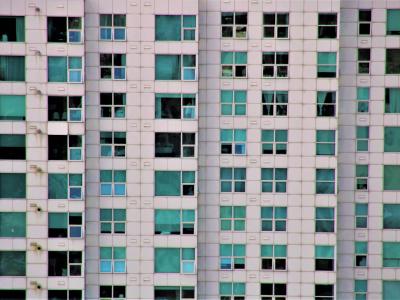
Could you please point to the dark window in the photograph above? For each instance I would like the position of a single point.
(327, 26)
(324, 264)
(12, 146)
(273, 289)
(12, 295)
(58, 147)
(167, 144)
(12, 29)
(12, 263)
(64, 108)
(324, 291)
(392, 61)
(364, 56)
(64, 295)
(58, 263)
(116, 291)
(364, 22)
(326, 104)
(166, 293)
(64, 30)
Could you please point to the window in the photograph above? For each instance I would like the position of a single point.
(391, 289)
(12, 224)
(392, 61)
(276, 25)
(233, 141)
(327, 26)
(112, 27)
(273, 180)
(12, 146)
(175, 28)
(274, 141)
(232, 290)
(65, 147)
(233, 103)
(274, 103)
(12, 107)
(325, 142)
(360, 289)
(324, 292)
(325, 181)
(175, 144)
(326, 104)
(112, 220)
(63, 225)
(392, 100)
(65, 263)
(361, 215)
(12, 294)
(364, 22)
(232, 256)
(275, 64)
(12, 263)
(362, 99)
(234, 64)
(391, 216)
(64, 294)
(392, 22)
(64, 29)
(324, 258)
(273, 218)
(112, 105)
(111, 292)
(64, 69)
(13, 185)
(362, 136)
(175, 106)
(364, 57)
(113, 66)
(232, 218)
(112, 182)
(112, 143)
(273, 257)
(63, 108)
(112, 260)
(273, 291)
(391, 254)
(174, 221)
(362, 177)
(233, 180)
(392, 139)
(326, 65)
(324, 219)
(65, 186)
(174, 292)
(361, 253)
(12, 29)
(175, 183)
(234, 25)
(391, 180)
(175, 260)
(175, 67)
(12, 68)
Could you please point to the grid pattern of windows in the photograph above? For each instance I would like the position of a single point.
(273, 257)
(274, 141)
(234, 64)
(232, 256)
(112, 27)
(276, 25)
(112, 260)
(175, 28)
(274, 103)
(234, 25)
(233, 103)
(273, 218)
(233, 141)
(273, 180)
(275, 64)
(112, 66)
(233, 180)
(232, 218)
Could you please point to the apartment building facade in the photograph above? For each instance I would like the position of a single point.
(199, 149)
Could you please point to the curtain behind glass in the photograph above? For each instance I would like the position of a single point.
(392, 100)
(391, 216)
(20, 28)
(58, 186)
(57, 69)
(12, 68)
(167, 183)
(391, 177)
(168, 28)
(12, 263)
(391, 290)
(12, 224)
(167, 260)
(167, 221)
(168, 67)
(392, 139)
(12, 107)
(12, 185)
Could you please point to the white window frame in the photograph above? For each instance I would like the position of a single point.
(112, 29)
(275, 65)
(113, 106)
(276, 25)
(234, 26)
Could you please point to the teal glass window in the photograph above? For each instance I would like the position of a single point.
(64, 29)
(361, 177)
(12, 29)
(360, 289)
(112, 183)
(362, 136)
(275, 64)
(326, 104)
(233, 103)
(233, 180)
(175, 183)
(232, 218)
(392, 22)
(175, 106)
(63, 225)
(391, 216)
(391, 254)
(174, 260)
(326, 65)
(324, 219)
(12, 68)
(112, 27)
(392, 61)
(175, 28)
(361, 215)
(12, 263)
(175, 67)
(273, 180)
(361, 254)
(273, 257)
(12, 107)
(233, 141)
(273, 218)
(13, 185)
(325, 142)
(232, 256)
(12, 224)
(274, 141)
(229, 289)
(112, 143)
(234, 25)
(392, 100)
(64, 69)
(392, 139)
(391, 177)
(112, 220)
(390, 289)
(12, 146)
(363, 99)
(324, 258)
(325, 181)
(112, 260)
(274, 103)
(234, 64)
(174, 221)
(65, 186)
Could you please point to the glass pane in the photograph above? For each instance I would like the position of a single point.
(12, 107)
(58, 186)
(12, 224)
(391, 180)
(57, 69)
(167, 260)
(168, 67)
(167, 183)
(168, 28)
